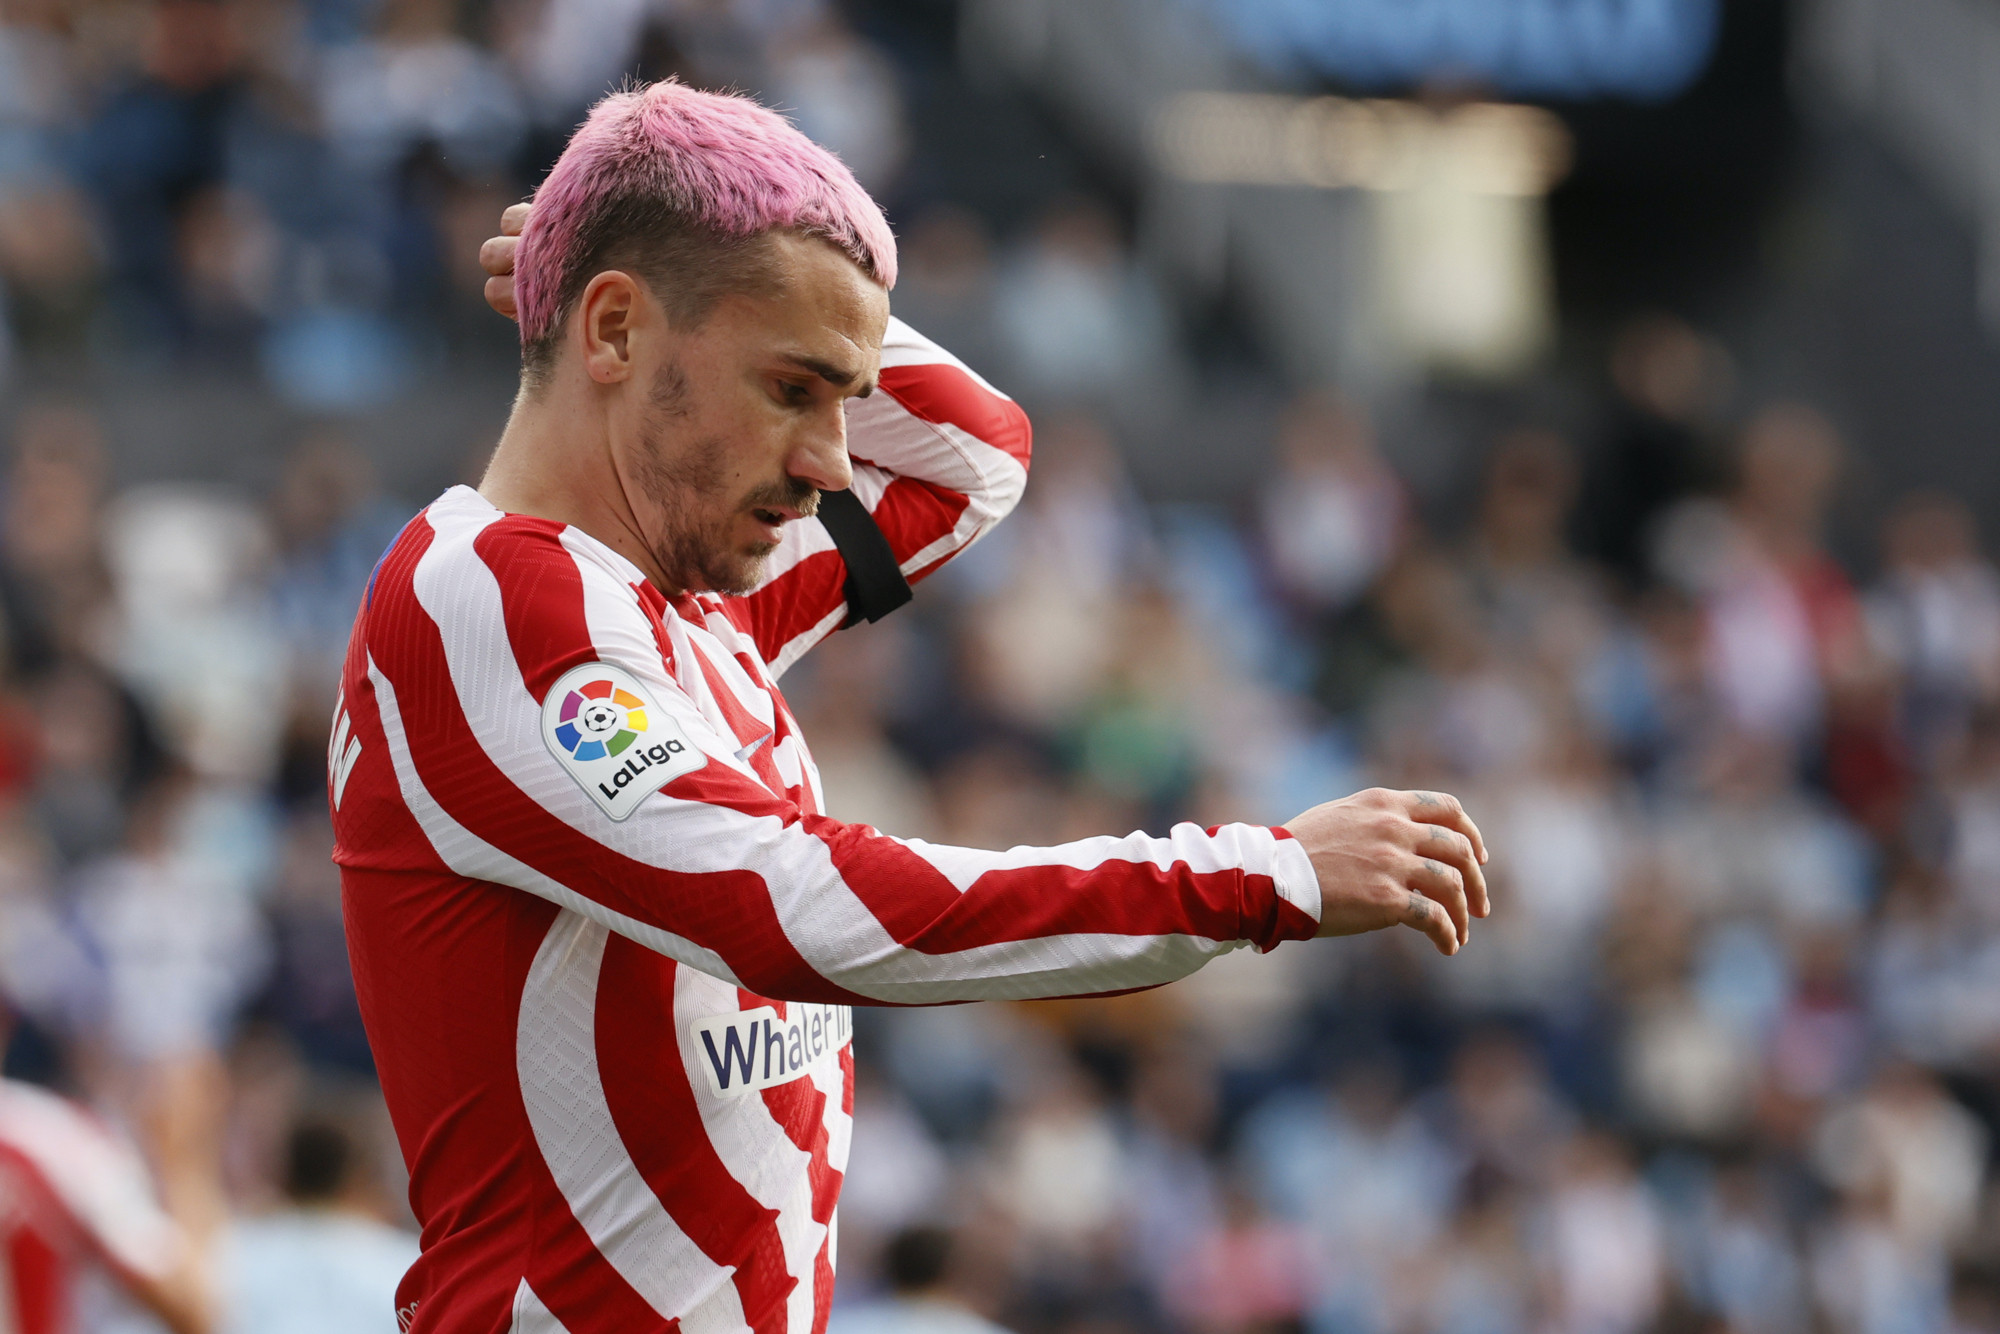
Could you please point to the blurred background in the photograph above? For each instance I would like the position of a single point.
(1586, 406)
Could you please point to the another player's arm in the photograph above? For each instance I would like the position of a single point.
(159, 1256)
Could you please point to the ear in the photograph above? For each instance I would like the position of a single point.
(613, 308)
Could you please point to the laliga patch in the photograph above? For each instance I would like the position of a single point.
(616, 745)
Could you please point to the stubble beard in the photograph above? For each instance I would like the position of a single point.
(694, 549)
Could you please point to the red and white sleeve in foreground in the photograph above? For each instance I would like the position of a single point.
(940, 456)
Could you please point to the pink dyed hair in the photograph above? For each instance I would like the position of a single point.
(685, 165)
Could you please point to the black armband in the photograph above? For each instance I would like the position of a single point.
(875, 583)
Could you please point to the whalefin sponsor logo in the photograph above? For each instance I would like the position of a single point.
(603, 730)
(752, 1050)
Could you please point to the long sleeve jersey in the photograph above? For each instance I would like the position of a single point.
(604, 939)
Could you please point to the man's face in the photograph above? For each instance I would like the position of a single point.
(744, 422)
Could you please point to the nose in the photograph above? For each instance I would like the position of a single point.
(820, 455)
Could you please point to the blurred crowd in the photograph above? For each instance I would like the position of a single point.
(302, 185)
(1722, 1062)
(1723, 1059)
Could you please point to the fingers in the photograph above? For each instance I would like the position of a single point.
(1426, 916)
(1454, 848)
(1387, 858)
(500, 296)
(1442, 808)
(496, 255)
(1445, 886)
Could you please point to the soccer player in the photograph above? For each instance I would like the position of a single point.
(73, 1197)
(604, 939)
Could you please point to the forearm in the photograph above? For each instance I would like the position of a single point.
(889, 921)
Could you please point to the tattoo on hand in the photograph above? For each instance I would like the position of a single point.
(1420, 907)
(1437, 868)
(1428, 799)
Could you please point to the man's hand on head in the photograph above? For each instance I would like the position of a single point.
(1396, 859)
(496, 256)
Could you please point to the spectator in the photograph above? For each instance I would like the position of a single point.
(1907, 1143)
(945, 286)
(1333, 513)
(325, 1263)
(1936, 618)
(1668, 383)
(1080, 321)
(842, 92)
(917, 1265)
(1606, 1253)
(81, 1197)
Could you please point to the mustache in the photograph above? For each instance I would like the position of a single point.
(791, 494)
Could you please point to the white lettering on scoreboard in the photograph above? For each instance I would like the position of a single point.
(752, 1050)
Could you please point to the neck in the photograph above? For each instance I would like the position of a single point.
(555, 462)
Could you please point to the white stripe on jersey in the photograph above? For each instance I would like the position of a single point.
(1231, 846)
(530, 1316)
(471, 856)
(557, 1057)
(751, 1144)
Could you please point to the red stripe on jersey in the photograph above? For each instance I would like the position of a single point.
(39, 1240)
(799, 1108)
(941, 393)
(373, 799)
(753, 738)
(662, 1130)
(568, 1273)
(823, 1286)
(913, 514)
(542, 599)
(791, 604)
(39, 1277)
(654, 604)
(926, 912)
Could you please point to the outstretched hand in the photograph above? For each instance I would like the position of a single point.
(1396, 859)
(496, 256)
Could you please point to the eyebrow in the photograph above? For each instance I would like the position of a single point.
(830, 373)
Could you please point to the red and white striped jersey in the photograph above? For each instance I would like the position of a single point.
(605, 941)
(71, 1195)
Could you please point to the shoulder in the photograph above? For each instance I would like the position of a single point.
(482, 574)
